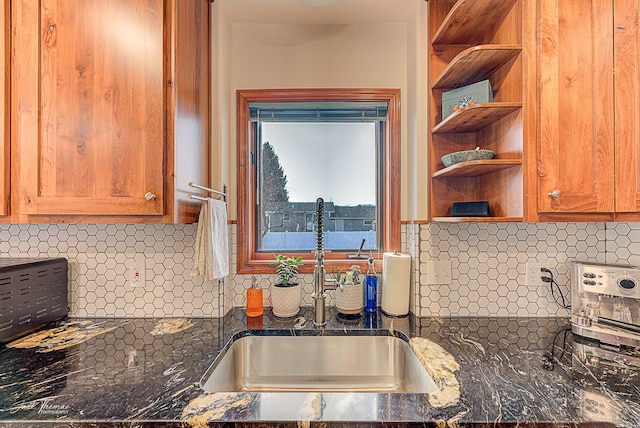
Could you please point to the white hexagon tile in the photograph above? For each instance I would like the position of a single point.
(487, 266)
(623, 243)
(98, 257)
(488, 262)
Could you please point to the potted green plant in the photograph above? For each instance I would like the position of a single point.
(286, 293)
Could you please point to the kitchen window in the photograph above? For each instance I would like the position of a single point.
(297, 145)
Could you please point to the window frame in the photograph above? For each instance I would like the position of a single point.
(248, 260)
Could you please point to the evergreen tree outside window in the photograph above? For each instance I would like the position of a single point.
(273, 178)
(274, 195)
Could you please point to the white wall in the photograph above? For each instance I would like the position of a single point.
(317, 56)
(221, 112)
(416, 113)
(265, 56)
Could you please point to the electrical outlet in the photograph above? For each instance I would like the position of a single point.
(534, 275)
(136, 273)
(439, 272)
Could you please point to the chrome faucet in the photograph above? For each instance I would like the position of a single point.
(321, 283)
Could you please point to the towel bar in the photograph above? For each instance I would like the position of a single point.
(206, 189)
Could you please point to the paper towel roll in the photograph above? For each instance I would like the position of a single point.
(396, 276)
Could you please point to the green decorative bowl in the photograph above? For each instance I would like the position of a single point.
(465, 156)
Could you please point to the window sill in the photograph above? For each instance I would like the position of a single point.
(333, 262)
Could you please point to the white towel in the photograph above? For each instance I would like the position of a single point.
(212, 241)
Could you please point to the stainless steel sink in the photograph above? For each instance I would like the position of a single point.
(316, 364)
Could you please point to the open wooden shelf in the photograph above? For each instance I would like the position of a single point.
(469, 20)
(475, 64)
(475, 117)
(476, 219)
(471, 41)
(476, 168)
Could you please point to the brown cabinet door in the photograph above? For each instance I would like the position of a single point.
(91, 106)
(4, 110)
(576, 126)
(627, 108)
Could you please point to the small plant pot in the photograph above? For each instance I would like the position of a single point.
(349, 299)
(285, 301)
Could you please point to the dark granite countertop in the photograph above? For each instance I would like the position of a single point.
(492, 371)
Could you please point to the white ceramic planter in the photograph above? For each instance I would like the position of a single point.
(349, 299)
(285, 301)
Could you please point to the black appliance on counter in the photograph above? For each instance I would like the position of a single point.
(33, 293)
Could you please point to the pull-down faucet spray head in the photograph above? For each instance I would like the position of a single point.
(319, 225)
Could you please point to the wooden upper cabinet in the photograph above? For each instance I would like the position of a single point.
(627, 107)
(4, 111)
(101, 94)
(576, 108)
(189, 116)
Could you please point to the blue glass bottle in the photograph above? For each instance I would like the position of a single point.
(371, 288)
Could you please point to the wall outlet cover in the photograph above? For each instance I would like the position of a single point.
(136, 273)
(438, 272)
(534, 275)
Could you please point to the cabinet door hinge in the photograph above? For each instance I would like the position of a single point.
(170, 83)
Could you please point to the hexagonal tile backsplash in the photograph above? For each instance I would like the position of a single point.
(98, 256)
(487, 266)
